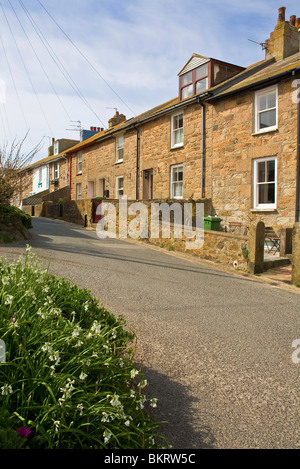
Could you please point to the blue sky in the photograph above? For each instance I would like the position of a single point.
(137, 46)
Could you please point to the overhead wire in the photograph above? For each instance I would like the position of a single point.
(40, 62)
(57, 61)
(15, 86)
(25, 67)
(84, 56)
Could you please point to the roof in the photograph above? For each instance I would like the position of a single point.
(257, 74)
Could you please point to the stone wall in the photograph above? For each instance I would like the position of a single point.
(232, 149)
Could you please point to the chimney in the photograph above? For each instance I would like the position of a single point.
(117, 119)
(284, 40)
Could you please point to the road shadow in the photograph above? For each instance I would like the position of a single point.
(81, 242)
(183, 428)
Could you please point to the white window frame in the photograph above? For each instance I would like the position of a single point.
(79, 163)
(119, 149)
(256, 184)
(175, 130)
(78, 193)
(172, 182)
(118, 189)
(56, 171)
(259, 94)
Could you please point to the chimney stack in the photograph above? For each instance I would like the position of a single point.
(281, 14)
(117, 119)
(284, 40)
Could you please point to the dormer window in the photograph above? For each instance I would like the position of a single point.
(194, 82)
(201, 73)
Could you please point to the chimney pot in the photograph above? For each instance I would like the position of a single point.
(293, 20)
(297, 22)
(281, 14)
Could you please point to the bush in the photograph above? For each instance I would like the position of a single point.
(12, 212)
(69, 380)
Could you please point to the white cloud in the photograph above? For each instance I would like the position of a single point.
(137, 46)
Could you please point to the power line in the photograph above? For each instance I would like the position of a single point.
(38, 59)
(57, 61)
(24, 65)
(14, 84)
(82, 54)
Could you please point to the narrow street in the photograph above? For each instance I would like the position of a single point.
(215, 347)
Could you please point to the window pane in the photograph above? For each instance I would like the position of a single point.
(262, 103)
(120, 142)
(271, 100)
(186, 79)
(187, 92)
(262, 172)
(178, 136)
(177, 189)
(267, 119)
(266, 193)
(201, 71)
(271, 171)
(178, 122)
(201, 85)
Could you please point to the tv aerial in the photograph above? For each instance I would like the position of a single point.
(261, 44)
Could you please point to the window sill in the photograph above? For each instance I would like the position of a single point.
(79, 173)
(263, 210)
(267, 131)
(176, 147)
(119, 162)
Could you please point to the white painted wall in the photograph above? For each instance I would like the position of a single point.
(44, 179)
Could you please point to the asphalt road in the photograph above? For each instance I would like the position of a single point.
(215, 347)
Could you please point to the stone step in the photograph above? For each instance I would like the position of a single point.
(273, 262)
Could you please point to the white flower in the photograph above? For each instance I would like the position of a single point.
(115, 402)
(6, 390)
(133, 373)
(80, 408)
(8, 300)
(57, 425)
(55, 358)
(47, 347)
(96, 327)
(153, 402)
(83, 376)
(107, 436)
(127, 423)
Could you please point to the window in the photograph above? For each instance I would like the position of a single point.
(79, 163)
(265, 182)
(78, 191)
(119, 149)
(56, 148)
(266, 110)
(119, 186)
(55, 171)
(194, 82)
(176, 182)
(177, 131)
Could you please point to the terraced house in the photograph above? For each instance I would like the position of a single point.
(231, 136)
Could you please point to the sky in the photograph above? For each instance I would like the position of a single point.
(66, 64)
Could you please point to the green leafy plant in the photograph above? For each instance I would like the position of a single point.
(69, 380)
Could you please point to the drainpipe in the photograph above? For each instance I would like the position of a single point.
(137, 162)
(202, 148)
(298, 166)
(70, 175)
